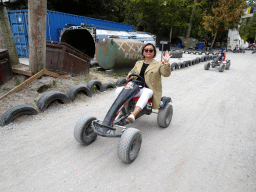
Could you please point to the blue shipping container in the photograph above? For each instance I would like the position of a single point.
(56, 21)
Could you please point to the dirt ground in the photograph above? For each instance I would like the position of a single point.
(210, 145)
(32, 92)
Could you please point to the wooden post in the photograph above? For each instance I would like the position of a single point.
(37, 34)
(6, 37)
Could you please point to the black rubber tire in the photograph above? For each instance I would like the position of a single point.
(193, 62)
(221, 67)
(173, 66)
(206, 66)
(164, 116)
(189, 62)
(185, 63)
(129, 145)
(176, 66)
(10, 114)
(73, 91)
(180, 64)
(227, 65)
(106, 86)
(93, 83)
(83, 132)
(121, 81)
(197, 60)
(50, 96)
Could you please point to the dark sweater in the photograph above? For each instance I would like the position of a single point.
(142, 72)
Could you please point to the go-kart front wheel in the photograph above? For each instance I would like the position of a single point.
(164, 116)
(221, 68)
(83, 131)
(129, 145)
(206, 66)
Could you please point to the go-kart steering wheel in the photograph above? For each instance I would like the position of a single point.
(140, 80)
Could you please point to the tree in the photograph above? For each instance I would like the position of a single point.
(6, 37)
(191, 19)
(225, 15)
(248, 29)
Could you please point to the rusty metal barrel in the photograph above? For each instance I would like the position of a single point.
(118, 53)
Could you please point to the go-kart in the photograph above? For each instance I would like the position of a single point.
(239, 50)
(223, 64)
(115, 121)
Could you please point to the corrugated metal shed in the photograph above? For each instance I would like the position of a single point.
(56, 21)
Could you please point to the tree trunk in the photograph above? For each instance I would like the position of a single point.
(213, 41)
(6, 37)
(171, 35)
(191, 20)
(37, 34)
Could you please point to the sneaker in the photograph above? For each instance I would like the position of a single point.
(130, 118)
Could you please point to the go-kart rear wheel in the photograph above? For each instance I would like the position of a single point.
(221, 68)
(164, 116)
(83, 131)
(206, 66)
(129, 145)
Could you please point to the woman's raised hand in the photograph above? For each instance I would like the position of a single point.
(167, 56)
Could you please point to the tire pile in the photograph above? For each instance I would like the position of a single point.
(176, 54)
(199, 52)
(184, 64)
(51, 96)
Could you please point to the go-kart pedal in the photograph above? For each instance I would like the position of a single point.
(164, 101)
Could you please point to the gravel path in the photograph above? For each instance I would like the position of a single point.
(209, 146)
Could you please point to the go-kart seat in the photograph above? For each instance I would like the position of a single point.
(223, 59)
(137, 98)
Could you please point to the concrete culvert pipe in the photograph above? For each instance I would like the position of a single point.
(118, 53)
(81, 39)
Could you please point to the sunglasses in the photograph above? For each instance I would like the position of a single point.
(149, 50)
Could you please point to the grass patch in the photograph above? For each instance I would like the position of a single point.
(17, 82)
(6, 89)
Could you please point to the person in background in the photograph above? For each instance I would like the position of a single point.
(237, 48)
(223, 54)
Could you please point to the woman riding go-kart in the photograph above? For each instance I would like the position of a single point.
(125, 105)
